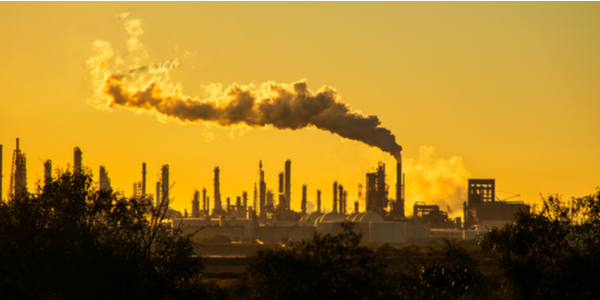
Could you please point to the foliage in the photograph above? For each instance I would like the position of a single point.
(445, 272)
(326, 267)
(69, 241)
(553, 253)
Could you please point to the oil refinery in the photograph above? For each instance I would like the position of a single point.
(267, 216)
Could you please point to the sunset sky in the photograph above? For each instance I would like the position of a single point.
(509, 91)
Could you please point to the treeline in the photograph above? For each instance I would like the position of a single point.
(69, 241)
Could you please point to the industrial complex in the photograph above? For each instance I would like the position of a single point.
(267, 216)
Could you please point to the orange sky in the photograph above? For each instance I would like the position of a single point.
(470, 90)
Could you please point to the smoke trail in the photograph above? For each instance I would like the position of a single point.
(443, 182)
(294, 106)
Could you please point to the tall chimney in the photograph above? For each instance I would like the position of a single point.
(217, 187)
(165, 185)
(341, 199)
(144, 181)
(303, 206)
(47, 172)
(288, 184)
(195, 204)
(204, 201)
(105, 181)
(318, 200)
(399, 186)
(77, 160)
(335, 191)
(158, 194)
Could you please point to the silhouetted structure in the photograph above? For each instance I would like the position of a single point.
(303, 204)
(77, 158)
(143, 179)
(335, 199)
(47, 172)
(104, 182)
(432, 215)
(482, 207)
(318, 200)
(288, 184)
(18, 174)
(376, 197)
(196, 205)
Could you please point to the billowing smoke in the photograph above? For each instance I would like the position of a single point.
(283, 106)
(436, 181)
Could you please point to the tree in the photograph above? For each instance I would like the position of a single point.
(326, 267)
(446, 272)
(69, 241)
(553, 253)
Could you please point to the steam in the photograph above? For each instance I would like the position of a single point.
(148, 88)
(442, 181)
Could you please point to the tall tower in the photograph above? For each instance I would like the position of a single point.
(104, 180)
(196, 205)
(335, 192)
(158, 194)
(47, 172)
(165, 186)
(341, 199)
(143, 180)
(204, 207)
(217, 187)
(303, 206)
(281, 204)
(18, 174)
(77, 157)
(318, 200)
(262, 193)
(288, 184)
(399, 207)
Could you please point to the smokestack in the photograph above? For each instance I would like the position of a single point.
(165, 185)
(18, 176)
(196, 205)
(105, 181)
(355, 207)
(335, 191)
(157, 194)
(303, 206)
(281, 183)
(47, 172)
(204, 201)
(399, 186)
(288, 185)
(341, 199)
(318, 200)
(217, 188)
(144, 181)
(77, 157)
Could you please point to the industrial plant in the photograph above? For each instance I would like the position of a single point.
(267, 216)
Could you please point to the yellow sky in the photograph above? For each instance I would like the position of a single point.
(470, 90)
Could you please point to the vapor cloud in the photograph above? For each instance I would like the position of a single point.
(436, 181)
(284, 106)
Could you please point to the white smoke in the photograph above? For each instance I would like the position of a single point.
(436, 181)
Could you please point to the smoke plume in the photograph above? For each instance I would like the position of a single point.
(443, 182)
(284, 106)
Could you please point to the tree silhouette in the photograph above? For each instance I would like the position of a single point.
(69, 241)
(553, 253)
(326, 267)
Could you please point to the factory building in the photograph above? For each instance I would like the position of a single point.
(484, 209)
